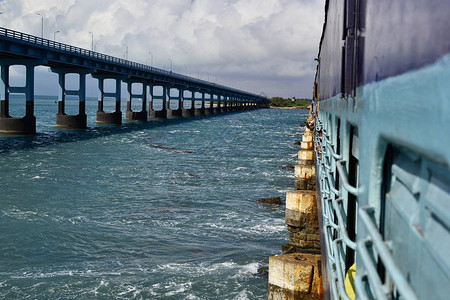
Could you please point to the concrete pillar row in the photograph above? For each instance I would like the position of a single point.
(141, 115)
(159, 114)
(27, 123)
(112, 118)
(63, 120)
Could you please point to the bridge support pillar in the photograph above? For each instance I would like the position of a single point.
(174, 113)
(112, 118)
(229, 106)
(218, 109)
(17, 125)
(189, 112)
(159, 114)
(63, 120)
(210, 109)
(224, 107)
(201, 111)
(131, 115)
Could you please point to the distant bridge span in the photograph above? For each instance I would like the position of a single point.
(17, 48)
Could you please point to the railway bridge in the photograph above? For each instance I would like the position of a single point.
(17, 48)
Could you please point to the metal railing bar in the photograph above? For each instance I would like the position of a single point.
(331, 257)
(340, 276)
(331, 183)
(330, 222)
(385, 255)
(336, 156)
(351, 189)
(359, 287)
(372, 273)
(333, 281)
(338, 203)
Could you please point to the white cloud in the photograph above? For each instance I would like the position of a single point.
(256, 45)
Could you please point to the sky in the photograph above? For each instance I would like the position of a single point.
(261, 46)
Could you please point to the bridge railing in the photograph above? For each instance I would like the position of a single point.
(17, 35)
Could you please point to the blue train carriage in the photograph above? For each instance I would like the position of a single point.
(382, 92)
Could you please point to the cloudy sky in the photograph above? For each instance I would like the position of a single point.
(262, 46)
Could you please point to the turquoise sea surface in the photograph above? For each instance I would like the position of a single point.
(156, 210)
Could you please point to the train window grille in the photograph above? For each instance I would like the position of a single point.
(409, 249)
(378, 274)
(335, 186)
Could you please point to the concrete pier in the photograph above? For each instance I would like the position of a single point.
(188, 112)
(63, 120)
(294, 276)
(141, 115)
(112, 118)
(297, 275)
(218, 108)
(17, 125)
(174, 113)
(159, 114)
(22, 126)
(171, 111)
(224, 107)
(78, 121)
(200, 111)
(210, 109)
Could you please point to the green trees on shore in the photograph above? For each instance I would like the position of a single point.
(290, 102)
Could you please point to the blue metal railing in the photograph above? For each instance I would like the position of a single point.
(45, 43)
(336, 235)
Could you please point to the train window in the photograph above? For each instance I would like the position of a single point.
(352, 204)
(343, 95)
(344, 27)
(349, 55)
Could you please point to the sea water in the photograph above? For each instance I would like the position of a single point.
(155, 210)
